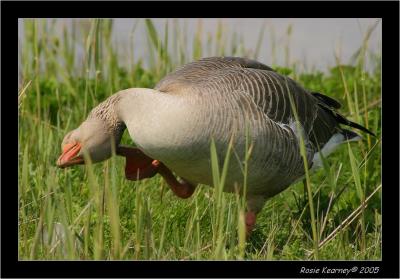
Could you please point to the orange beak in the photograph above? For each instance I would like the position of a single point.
(69, 155)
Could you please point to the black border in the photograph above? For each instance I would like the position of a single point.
(11, 11)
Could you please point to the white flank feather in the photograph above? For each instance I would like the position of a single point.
(330, 147)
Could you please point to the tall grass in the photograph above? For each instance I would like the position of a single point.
(303, 153)
(93, 212)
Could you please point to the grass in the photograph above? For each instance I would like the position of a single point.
(93, 212)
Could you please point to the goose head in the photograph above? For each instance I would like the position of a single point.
(95, 138)
(91, 137)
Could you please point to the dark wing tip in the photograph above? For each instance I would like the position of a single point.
(341, 119)
(327, 100)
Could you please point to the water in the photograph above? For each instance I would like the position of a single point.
(313, 42)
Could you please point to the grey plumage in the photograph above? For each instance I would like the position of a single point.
(243, 90)
(218, 98)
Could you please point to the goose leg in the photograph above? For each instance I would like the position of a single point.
(254, 206)
(250, 219)
(182, 189)
(138, 166)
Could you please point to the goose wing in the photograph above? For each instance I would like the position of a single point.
(197, 71)
(259, 90)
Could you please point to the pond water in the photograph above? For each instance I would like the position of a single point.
(312, 42)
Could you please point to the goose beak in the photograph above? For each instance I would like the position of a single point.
(70, 157)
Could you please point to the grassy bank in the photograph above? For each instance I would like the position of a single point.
(95, 213)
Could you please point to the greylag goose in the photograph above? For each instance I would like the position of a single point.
(214, 98)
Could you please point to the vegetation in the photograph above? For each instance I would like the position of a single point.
(93, 212)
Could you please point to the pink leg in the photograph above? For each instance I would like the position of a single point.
(254, 205)
(250, 222)
(138, 166)
(183, 189)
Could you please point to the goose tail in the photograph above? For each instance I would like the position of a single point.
(330, 105)
(343, 120)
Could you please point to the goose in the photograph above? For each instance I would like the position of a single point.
(219, 99)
